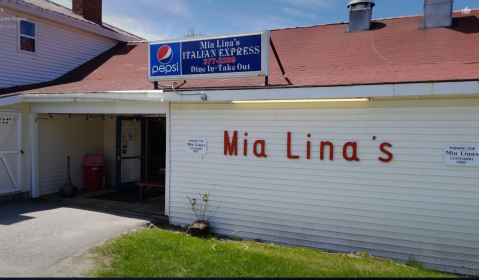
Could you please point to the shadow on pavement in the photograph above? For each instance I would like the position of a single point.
(16, 212)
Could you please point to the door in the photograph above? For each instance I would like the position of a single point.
(10, 152)
(130, 152)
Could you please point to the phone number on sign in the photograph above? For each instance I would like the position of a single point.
(11, 26)
(221, 60)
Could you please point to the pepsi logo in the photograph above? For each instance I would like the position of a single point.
(165, 55)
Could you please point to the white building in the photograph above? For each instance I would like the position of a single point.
(415, 91)
(41, 41)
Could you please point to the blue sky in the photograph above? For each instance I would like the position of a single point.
(170, 19)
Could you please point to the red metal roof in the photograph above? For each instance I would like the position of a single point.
(324, 55)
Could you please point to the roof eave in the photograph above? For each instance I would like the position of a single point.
(23, 7)
(433, 89)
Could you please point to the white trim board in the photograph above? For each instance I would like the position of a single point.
(388, 90)
(105, 107)
(34, 159)
(167, 166)
(10, 100)
(110, 101)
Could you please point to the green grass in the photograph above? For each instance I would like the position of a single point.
(158, 253)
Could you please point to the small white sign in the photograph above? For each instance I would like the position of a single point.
(461, 155)
(196, 146)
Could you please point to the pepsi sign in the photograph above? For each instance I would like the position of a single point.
(166, 60)
(233, 55)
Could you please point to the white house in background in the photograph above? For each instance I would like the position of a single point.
(395, 183)
(41, 41)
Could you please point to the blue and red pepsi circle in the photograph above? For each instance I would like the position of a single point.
(165, 55)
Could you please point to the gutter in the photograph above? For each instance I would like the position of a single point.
(7, 100)
(337, 92)
(156, 96)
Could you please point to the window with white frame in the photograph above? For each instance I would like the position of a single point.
(27, 36)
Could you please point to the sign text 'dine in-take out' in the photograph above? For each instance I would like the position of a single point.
(232, 55)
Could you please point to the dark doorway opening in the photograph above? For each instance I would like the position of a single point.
(139, 155)
(156, 150)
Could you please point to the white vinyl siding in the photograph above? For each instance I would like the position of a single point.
(59, 49)
(59, 138)
(413, 207)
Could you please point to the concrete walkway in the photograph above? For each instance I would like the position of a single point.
(40, 239)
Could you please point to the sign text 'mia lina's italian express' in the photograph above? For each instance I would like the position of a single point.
(232, 55)
(326, 148)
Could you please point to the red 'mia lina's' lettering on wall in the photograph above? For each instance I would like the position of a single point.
(331, 150)
(308, 148)
(354, 145)
(232, 146)
(263, 148)
(245, 145)
(390, 156)
(350, 149)
(289, 148)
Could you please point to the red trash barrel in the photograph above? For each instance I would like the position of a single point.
(94, 168)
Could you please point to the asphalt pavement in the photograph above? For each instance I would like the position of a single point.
(36, 236)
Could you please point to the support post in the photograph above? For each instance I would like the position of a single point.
(167, 167)
(277, 56)
(266, 78)
(34, 161)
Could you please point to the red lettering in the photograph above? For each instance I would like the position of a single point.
(263, 148)
(245, 147)
(354, 145)
(230, 147)
(331, 150)
(390, 156)
(308, 150)
(289, 148)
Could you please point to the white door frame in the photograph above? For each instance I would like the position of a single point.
(167, 167)
(34, 161)
(16, 180)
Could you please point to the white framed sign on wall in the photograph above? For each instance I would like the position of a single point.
(196, 146)
(461, 155)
